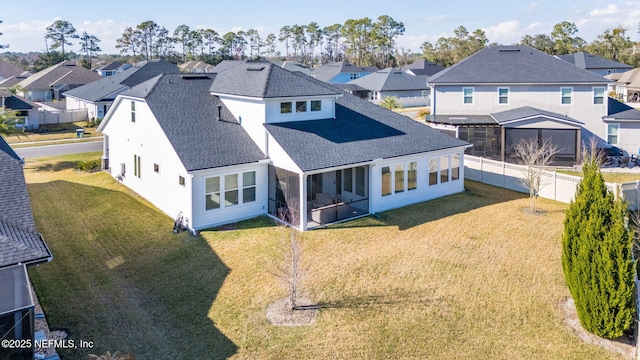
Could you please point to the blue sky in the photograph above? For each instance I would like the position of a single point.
(504, 22)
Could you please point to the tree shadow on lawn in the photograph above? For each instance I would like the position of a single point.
(54, 167)
(121, 278)
(475, 196)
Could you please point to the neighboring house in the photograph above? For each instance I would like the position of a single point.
(8, 70)
(626, 86)
(20, 245)
(14, 80)
(98, 96)
(409, 89)
(294, 66)
(535, 92)
(112, 68)
(341, 72)
(254, 139)
(50, 83)
(354, 89)
(422, 68)
(595, 64)
(27, 111)
(623, 126)
(195, 67)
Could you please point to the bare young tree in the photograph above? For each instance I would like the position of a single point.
(535, 155)
(290, 271)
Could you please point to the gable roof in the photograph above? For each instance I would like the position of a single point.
(107, 88)
(64, 73)
(8, 70)
(584, 60)
(422, 68)
(15, 102)
(114, 65)
(195, 65)
(19, 241)
(528, 112)
(187, 113)
(514, 65)
(13, 80)
(390, 79)
(328, 71)
(629, 78)
(264, 80)
(361, 132)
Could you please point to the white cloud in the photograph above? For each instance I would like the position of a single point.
(507, 32)
(413, 42)
(533, 7)
(610, 9)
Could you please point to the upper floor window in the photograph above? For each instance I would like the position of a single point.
(354, 76)
(316, 105)
(598, 96)
(301, 106)
(566, 94)
(133, 111)
(467, 94)
(503, 95)
(285, 108)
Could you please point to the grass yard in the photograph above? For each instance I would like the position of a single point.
(468, 276)
(611, 177)
(55, 132)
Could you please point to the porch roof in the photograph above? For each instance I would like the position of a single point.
(361, 132)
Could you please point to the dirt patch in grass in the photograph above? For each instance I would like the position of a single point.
(280, 314)
(623, 345)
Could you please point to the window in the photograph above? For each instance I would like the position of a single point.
(424, 93)
(181, 180)
(386, 181)
(467, 95)
(612, 133)
(433, 171)
(123, 169)
(156, 168)
(354, 76)
(503, 95)
(360, 181)
(301, 106)
(444, 169)
(249, 187)
(455, 167)
(285, 108)
(212, 193)
(136, 166)
(348, 180)
(399, 178)
(316, 105)
(412, 176)
(230, 190)
(133, 111)
(566, 96)
(598, 96)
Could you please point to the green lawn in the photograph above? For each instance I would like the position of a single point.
(468, 276)
(611, 177)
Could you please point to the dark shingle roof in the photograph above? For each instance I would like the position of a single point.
(621, 111)
(422, 68)
(264, 80)
(588, 61)
(530, 112)
(188, 113)
(20, 245)
(109, 87)
(361, 132)
(8, 70)
(461, 119)
(15, 102)
(328, 71)
(390, 79)
(110, 66)
(513, 65)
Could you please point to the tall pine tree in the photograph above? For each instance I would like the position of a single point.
(597, 256)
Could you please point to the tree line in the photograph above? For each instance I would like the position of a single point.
(612, 44)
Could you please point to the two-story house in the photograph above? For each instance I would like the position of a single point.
(252, 138)
(596, 64)
(503, 94)
(340, 72)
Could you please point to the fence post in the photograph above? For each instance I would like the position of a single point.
(555, 185)
(481, 169)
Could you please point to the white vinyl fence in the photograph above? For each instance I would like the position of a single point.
(47, 116)
(560, 187)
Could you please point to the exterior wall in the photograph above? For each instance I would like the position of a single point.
(251, 115)
(345, 77)
(37, 95)
(628, 136)
(273, 114)
(545, 97)
(424, 191)
(145, 138)
(405, 93)
(203, 218)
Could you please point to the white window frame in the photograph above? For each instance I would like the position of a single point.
(464, 96)
(604, 94)
(223, 189)
(405, 178)
(507, 96)
(570, 96)
(617, 135)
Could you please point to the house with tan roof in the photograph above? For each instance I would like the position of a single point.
(50, 83)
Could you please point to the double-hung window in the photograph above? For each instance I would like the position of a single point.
(467, 96)
(566, 96)
(503, 96)
(612, 133)
(598, 96)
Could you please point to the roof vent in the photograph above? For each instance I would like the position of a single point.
(195, 76)
(219, 112)
(509, 49)
(255, 68)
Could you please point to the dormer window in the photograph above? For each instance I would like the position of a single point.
(285, 108)
(316, 105)
(301, 106)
